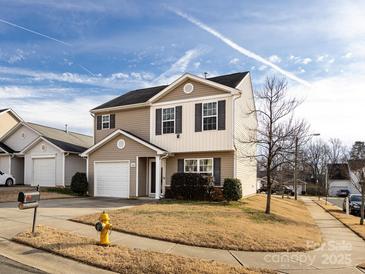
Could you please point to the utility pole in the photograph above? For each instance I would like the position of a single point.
(326, 182)
(295, 168)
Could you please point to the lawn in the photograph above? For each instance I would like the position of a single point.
(350, 221)
(239, 226)
(121, 259)
(10, 194)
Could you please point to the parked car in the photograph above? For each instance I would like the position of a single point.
(280, 189)
(354, 204)
(343, 193)
(6, 179)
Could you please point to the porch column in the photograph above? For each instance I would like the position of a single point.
(158, 178)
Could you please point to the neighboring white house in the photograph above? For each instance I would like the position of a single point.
(41, 155)
(339, 177)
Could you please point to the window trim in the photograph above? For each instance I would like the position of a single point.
(216, 116)
(171, 120)
(102, 121)
(198, 165)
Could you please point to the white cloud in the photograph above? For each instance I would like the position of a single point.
(334, 106)
(238, 48)
(347, 55)
(234, 61)
(179, 67)
(275, 59)
(17, 57)
(306, 61)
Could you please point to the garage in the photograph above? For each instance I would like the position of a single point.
(44, 171)
(112, 179)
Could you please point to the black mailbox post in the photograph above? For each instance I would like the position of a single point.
(27, 200)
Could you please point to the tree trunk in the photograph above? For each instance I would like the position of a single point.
(268, 197)
(362, 202)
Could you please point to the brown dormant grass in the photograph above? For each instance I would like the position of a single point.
(239, 226)
(121, 259)
(352, 222)
(10, 194)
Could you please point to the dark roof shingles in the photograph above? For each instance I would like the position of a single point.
(143, 95)
(66, 146)
(6, 148)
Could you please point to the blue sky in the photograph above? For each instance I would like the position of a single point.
(87, 52)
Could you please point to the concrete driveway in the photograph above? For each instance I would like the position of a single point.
(51, 212)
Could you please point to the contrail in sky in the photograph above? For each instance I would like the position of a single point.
(238, 48)
(34, 32)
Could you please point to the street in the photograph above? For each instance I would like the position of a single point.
(338, 201)
(13, 267)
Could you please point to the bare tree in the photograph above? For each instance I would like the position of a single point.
(337, 152)
(317, 157)
(276, 131)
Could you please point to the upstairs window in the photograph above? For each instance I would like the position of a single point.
(168, 120)
(210, 116)
(106, 121)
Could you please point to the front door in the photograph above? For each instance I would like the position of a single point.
(152, 177)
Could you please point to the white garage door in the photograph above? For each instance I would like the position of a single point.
(112, 179)
(44, 172)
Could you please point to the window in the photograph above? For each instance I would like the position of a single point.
(210, 116)
(202, 166)
(105, 121)
(168, 120)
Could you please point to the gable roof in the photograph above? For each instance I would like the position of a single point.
(5, 148)
(67, 146)
(72, 138)
(143, 95)
(5, 110)
(158, 150)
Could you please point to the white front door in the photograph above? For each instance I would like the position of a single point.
(44, 171)
(111, 179)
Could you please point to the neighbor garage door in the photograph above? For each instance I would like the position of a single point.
(44, 171)
(112, 179)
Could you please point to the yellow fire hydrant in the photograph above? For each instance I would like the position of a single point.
(104, 226)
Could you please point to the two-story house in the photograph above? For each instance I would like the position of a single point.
(40, 155)
(191, 125)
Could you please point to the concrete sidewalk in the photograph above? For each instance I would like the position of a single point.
(341, 251)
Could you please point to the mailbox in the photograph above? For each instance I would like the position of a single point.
(28, 199)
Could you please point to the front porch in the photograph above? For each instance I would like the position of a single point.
(150, 170)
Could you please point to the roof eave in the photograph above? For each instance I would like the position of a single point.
(145, 104)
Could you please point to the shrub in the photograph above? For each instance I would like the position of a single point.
(216, 194)
(232, 189)
(79, 183)
(190, 186)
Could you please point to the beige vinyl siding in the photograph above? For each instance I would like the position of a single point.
(245, 123)
(5, 163)
(136, 121)
(49, 150)
(110, 152)
(200, 90)
(73, 164)
(20, 138)
(17, 169)
(189, 140)
(142, 177)
(7, 122)
(227, 163)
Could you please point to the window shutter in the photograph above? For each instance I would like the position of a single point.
(98, 122)
(198, 117)
(217, 171)
(222, 115)
(178, 119)
(158, 121)
(112, 120)
(180, 165)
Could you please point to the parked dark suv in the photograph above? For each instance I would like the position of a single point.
(354, 204)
